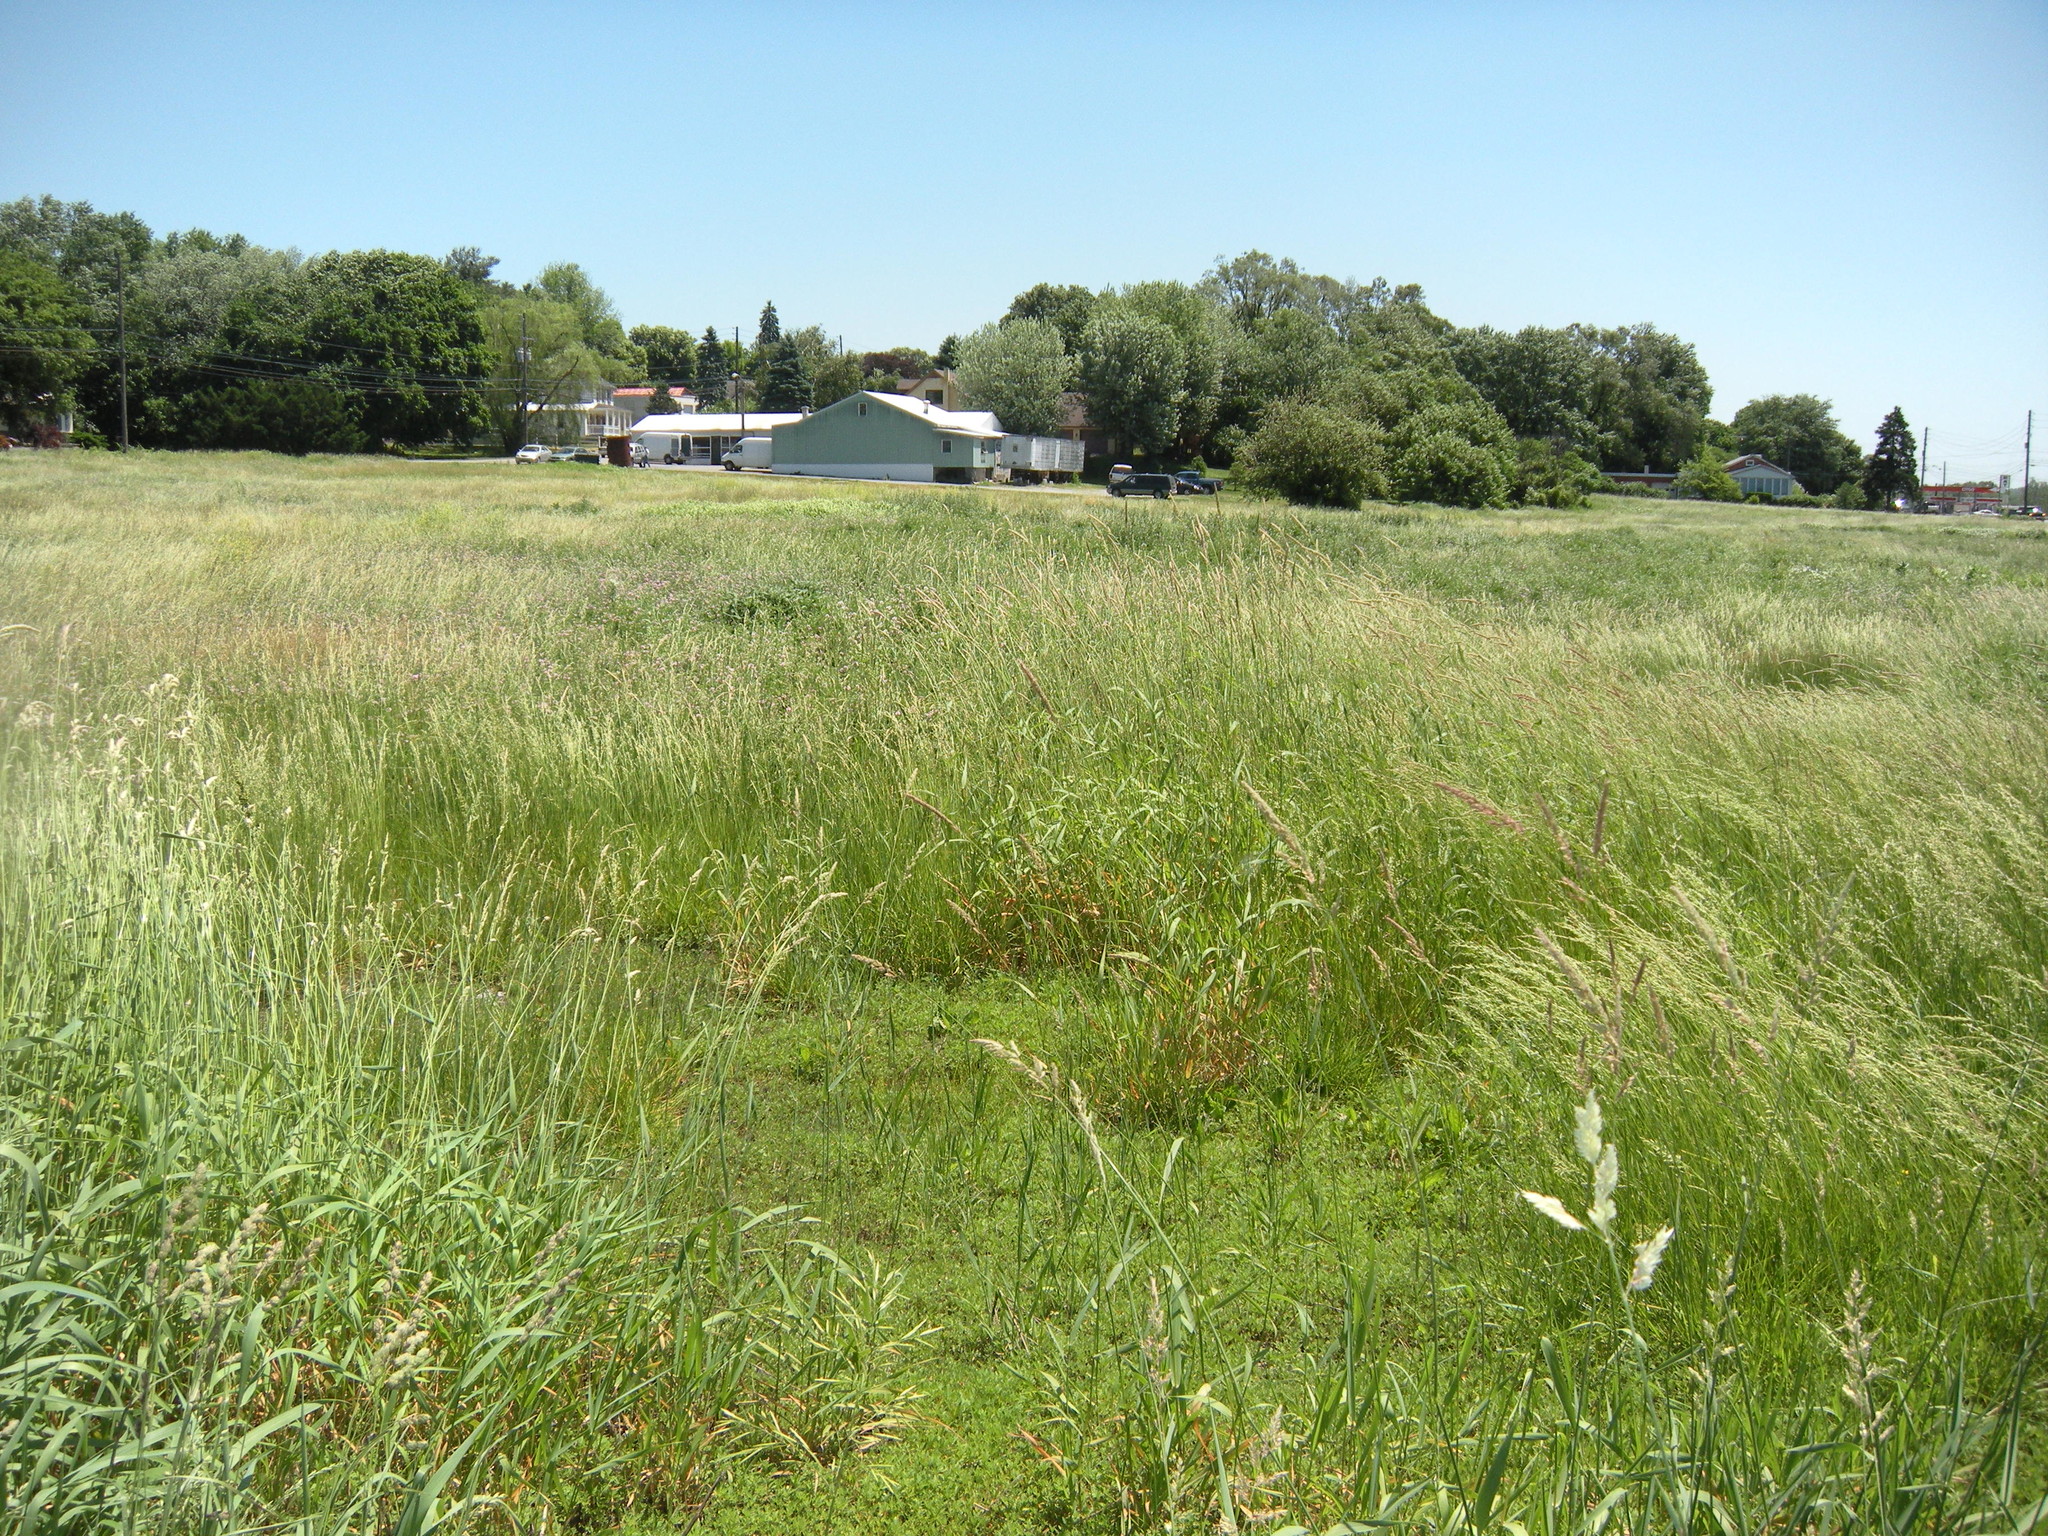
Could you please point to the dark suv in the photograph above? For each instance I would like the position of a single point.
(1159, 487)
(1192, 484)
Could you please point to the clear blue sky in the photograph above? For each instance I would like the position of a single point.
(1846, 199)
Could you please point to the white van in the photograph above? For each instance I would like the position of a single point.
(750, 453)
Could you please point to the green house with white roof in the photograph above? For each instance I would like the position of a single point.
(871, 436)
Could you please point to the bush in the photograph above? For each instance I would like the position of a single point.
(293, 416)
(1454, 454)
(1314, 456)
(1849, 497)
(1551, 477)
(1705, 479)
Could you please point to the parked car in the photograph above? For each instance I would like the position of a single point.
(1159, 487)
(532, 453)
(750, 453)
(563, 455)
(1192, 484)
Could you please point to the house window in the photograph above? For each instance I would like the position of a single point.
(935, 396)
(862, 408)
(945, 445)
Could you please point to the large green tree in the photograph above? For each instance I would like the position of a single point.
(1255, 287)
(1289, 354)
(1068, 306)
(1798, 432)
(397, 335)
(671, 354)
(1197, 325)
(1543, 382)
(178, 306)
(835, 378)
(1891, 475)
(560, 364)
(85, 247)
(1651, 396)
(44, 340)
(1134, 372)
(1020, 370)
(770, 330)
(565, 282)
(468, 264)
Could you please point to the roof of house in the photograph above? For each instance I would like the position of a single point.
(965, 423)
(1753, 461)
(715, 423)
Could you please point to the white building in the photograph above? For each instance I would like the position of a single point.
(702, 437)
(588, 419)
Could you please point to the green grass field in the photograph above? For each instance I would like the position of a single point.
(550, 999)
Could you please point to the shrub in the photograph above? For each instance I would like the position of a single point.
(1456, 454)
(1314, 456)
(1704, 479)
(1551, 477)
(294, 416)
(1849, 497)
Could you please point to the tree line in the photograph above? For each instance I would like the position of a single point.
(1333, 391)
(1319, 388)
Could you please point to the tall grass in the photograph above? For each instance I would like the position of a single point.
(585, 890)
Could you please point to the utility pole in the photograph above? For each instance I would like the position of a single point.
(121, 321)
(2027, 468)
(738, 356)
(524, 353)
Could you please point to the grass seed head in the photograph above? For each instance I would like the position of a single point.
(1649, 1254)
(1554, 1208)
(1606, 1175)
(1586, 1128)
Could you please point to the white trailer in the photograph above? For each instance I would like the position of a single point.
(1036, 458)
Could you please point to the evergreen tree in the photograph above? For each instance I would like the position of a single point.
(948, 355)
(1891, 474)
(770, 332)
(786, 386)
(714, 370)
